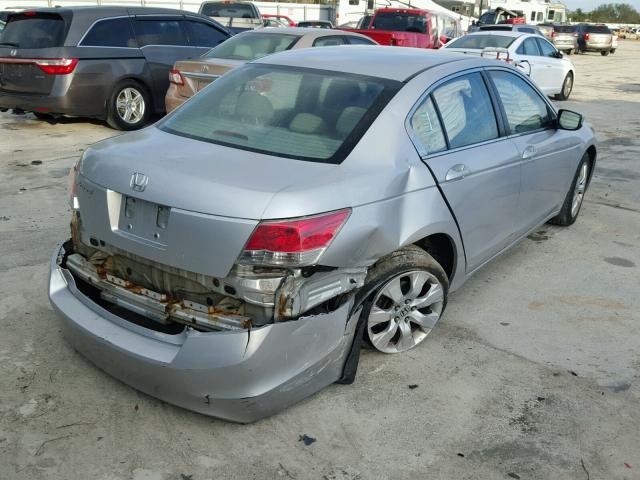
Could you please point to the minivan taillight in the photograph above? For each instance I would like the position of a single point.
(176, 77)
(51, 66)
(294, 242)
(586, 36)
(57, 66)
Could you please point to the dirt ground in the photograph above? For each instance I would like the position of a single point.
(532, 374)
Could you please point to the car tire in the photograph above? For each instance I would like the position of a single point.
(569, 52)
(129, 106)
(605, 53)
(575, 195)
(42, 116)
(567, 88)
(613, 51)
(410, 299)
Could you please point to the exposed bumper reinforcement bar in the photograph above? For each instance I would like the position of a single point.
(240, 376)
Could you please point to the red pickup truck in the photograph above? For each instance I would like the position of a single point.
(408, 27)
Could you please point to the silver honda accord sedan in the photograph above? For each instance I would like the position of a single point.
(231, 258)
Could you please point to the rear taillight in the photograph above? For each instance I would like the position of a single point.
(295, 242)
(586, 36)
(176, 77)
(57, 66)
(554, 34)
(51, 66)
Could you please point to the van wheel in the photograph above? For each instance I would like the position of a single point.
(575, 196)
(567, 87)
(605, 53)
(613, 51)
(42, 116)
(569, 52)
(129, 106)
(409, 302)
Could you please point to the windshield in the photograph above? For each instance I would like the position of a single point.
(480, 42)
(400, 22)
(229, 10)
(299, 113)
(251, 45)
(42, 30)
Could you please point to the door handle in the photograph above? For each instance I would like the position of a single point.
(529, 151)
(457, 172)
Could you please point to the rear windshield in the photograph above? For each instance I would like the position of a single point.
(598, 29)
(229, 10)
(43, 30)
(400, 22)
(249, 46)
(481, 42)
(564, 28)
(299, 113)
(497, 27)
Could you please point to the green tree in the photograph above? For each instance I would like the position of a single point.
(607, 13)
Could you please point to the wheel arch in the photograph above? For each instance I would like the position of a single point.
(443, 249)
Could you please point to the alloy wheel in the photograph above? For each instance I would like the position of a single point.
(130, 105)
(581, 186)
(404, 311)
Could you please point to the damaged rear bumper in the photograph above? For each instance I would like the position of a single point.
(240, 376)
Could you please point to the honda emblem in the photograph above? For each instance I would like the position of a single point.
(139, 181)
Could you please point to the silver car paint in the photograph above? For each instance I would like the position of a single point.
(224, 192)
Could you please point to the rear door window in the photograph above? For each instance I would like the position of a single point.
(426, 126)
(112, 32)
(204, 35)
(160, 32)
(529, 47)
(39, 30)
(466, 110)
(525, 110)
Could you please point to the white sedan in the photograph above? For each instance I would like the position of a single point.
(534, 54)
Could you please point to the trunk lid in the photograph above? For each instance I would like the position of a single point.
(196, 209)
(198, 74)
(195, 175)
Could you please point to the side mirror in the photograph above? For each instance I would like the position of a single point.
(568, 120)
(558, 54)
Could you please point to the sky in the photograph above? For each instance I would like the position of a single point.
(588, 5)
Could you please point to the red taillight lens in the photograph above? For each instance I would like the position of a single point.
(296, 242)
(586, 36)
(554, 34)
(176, 77)
(57, 66)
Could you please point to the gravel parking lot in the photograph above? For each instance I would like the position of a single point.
(534, 372)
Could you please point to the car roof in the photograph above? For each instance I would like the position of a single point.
(393, 63)
(303, 31)
(105, 11)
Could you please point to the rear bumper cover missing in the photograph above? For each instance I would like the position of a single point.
(239, 376)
